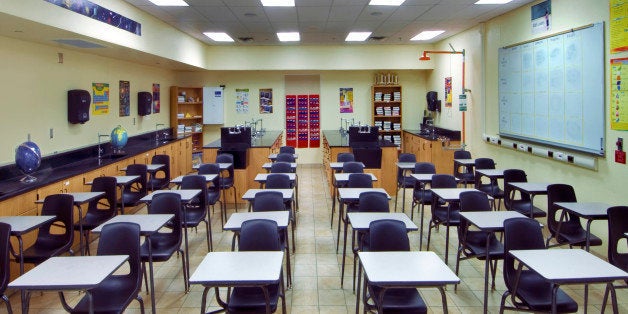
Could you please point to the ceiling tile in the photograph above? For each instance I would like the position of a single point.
(307, 14)
(217, 14)
(409, 12)
(345, 12)
(281, 14)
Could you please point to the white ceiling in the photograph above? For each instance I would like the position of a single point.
(324, 21)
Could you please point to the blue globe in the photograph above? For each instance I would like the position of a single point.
(28, 157)
(119, 138)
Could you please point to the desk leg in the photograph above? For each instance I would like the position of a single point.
(532, 206)
(444, 299)
(357, 294)
(151, 275)
(204, 300)
(288, 268)
(344, 254)
(81, 237)
(486, 270)
(187, 251)
(403, 198)
(333, 204)
(122, 199)
(554, 292)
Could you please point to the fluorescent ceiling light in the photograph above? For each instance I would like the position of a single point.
(387, 2)
(219, 36)
(427, 35)
(358, 36)
(492, 1)
(278, 3)
(290, 36)
(169, 3)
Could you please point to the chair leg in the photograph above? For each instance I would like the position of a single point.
(208, 229)
(493, 272)
(605, 300)
(145, 278)
(235, 196)
(185, 272)
(502, 304)
(429, 234)
(460, 248)
(141, 301)
(396, 197)
(7, 303)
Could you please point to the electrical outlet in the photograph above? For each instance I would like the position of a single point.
(493, 140)
(522, 147)
(560, 156)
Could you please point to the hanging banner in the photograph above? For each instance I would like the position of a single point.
(346, 100)
(125, 100)
(156, 102)
(100, 98)
(448, 92)
(242, 100)
(266, 100)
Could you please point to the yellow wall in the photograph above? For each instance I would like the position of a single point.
(33, 96)
(607, 184)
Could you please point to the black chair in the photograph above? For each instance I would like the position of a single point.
(344, 157)
(421, 195)
(273, 201)
(356, 180)
(617, 227)
(258, 235)
(473, 243)
(443, 213)
(196, 210)
(96, 214)
(282, 181)
(571, 231)
(404, 181)
(286, 149)
(491, 188)
(352, 167)
(160, 179)
(391, 235)
(133, 192)
(464, 174)
(228, 182)
(285, 157)
(522, 204)
(55, 237)
(164, 244)
(533, 293)
(5, 276)
(115, 293)
(213, 190)
(280, 167)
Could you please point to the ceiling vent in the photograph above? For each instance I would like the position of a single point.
(78, 43)
(376, 38)
(246, 39)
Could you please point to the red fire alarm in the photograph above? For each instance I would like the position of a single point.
(620, 154)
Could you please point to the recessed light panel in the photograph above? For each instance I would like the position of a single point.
(427, 35)
(278, 3)
(169, 3)
(290, 36)
(358, 36)
(386, 2)
(223, 37)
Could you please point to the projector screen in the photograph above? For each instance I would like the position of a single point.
(551, 90)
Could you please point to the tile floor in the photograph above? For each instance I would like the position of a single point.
(316, 267)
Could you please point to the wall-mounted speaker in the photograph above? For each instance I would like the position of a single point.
(433, 104)
(78, 106)
(144, 103)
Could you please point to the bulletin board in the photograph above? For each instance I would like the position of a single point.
(551, 90)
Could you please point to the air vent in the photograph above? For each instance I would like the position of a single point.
(376, 38)
(79, 43)
(246, 39)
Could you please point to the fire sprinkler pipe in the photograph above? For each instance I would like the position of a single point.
(425, 57)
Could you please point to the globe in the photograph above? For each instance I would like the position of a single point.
(119, 138)
(28, 159)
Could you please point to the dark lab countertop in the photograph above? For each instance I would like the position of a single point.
(439, 132)
(72, 163)
(335, 139)
(267, 140)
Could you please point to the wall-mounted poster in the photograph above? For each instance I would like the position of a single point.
(100, 98)
(266, 100)
(448, 92)
(619, 97)
(156, 103)
(242, 100)
(99, 13)
(346, 100)
(541, 17)
(618, 26)
(125, 101)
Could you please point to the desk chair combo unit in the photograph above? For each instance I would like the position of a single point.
(491, 188)
(420, 194)
(443, 213)
(347, 167)
(464, 172)
(99, 210)
(133, 192)
(524, 203)
(227, 182)
(213, 190)
(404, 180)
(160, 178)
(356, 180)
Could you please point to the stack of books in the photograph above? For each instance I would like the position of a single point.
(387, 111)
(387, 125)
(396, 126)
(386, 97)
(378, 96)
(379, 111)
(396, 139)
(395, 111)
(379, 124)
(397, 96)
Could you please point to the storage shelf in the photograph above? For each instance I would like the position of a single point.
(378, 116)
(191, 103)
(389, 131)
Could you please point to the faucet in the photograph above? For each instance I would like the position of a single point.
(157, 133)
(100, 150)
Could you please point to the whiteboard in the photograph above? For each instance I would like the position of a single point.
(551, 91)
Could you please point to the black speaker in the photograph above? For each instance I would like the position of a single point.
(78, 106)
(144, 103)
(433, 104)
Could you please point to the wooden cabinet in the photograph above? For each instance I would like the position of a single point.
(426, 150)
(186, 113)
(387, 105)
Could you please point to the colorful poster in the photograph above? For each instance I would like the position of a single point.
(541, 17)
(242, 100)
(266, 100)
(618, 25)
(101, 14)
(619, 96)
(156, 103)
(448, 92)
(125, 101)
(100, 98)
(346, 100)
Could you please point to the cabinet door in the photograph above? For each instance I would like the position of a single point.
(425, 150)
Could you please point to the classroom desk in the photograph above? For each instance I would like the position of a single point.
(208, 178)
(80, 198)
(149, 225)
(493, 175)
(337, 165)
(186, 197)
(587, 210)
(268, 165)
(273, 157)
(80, 273)
(404, 167)
(238, 269)
(567, 266)
(489, 222)
(151, 169)
(122, 182)
(282, 218)
(450, 196)
(532, 189)
(346, 195)
(222, 165)
(361, 221)
(249, 195)
(262, 177)
(405, 270)
(466, 164)
(340, 179)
